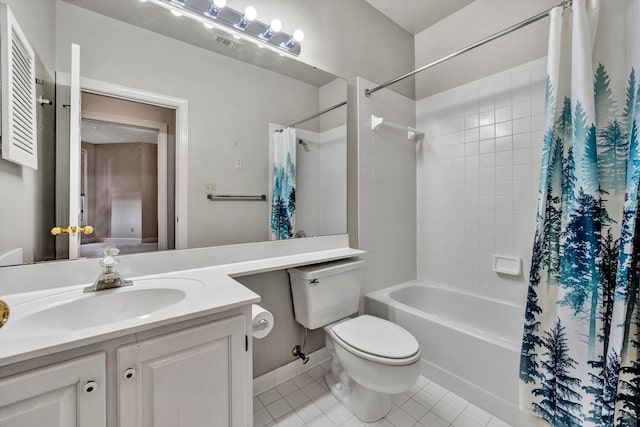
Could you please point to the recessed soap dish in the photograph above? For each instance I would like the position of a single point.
(507, 265)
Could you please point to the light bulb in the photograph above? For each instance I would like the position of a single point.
(207, 25)
(250, 13)
(297, 37)
(276, 25)
(176, 13)
(272, 29)
(220, 3)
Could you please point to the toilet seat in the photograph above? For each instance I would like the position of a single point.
(377, 340)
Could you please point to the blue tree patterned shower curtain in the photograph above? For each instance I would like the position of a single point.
(283, 193)
(579, 362)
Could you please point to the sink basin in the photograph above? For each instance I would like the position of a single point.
(75, 310)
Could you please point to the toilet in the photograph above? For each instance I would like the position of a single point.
(372, 358)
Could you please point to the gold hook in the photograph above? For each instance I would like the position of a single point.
(4, 313)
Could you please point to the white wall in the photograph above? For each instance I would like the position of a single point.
(470, 24)
(387, 193)
(478, 174)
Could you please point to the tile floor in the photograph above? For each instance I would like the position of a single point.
(305, 400)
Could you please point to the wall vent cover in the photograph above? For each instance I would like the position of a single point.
(18, 85)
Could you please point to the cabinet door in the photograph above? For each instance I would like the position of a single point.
(65, 394)
(194, 377)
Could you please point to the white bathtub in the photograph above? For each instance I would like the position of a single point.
(470, 344)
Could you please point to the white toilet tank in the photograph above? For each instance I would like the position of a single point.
(327, 292)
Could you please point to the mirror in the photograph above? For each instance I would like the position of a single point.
(237, 95)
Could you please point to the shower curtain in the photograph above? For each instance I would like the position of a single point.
(283, 193)
(579, 363)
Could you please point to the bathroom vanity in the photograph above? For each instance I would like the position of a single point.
(175, 348)
(175, 369)
(151, 378)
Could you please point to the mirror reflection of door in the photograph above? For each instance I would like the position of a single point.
(125, 174)
(118, 178)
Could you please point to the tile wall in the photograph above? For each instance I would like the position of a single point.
(477, 180)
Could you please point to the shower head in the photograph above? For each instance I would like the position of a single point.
(304, 144)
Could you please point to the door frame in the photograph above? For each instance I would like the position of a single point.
(181, 106)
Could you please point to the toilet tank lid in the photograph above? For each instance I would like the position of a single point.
(324, 269)
(377, 336)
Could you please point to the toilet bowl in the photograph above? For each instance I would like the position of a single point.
(371, 357)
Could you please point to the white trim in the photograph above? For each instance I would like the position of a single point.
(181, 106)
(162, 163)
(74, 151)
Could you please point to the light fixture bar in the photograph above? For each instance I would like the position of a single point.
(227, 20)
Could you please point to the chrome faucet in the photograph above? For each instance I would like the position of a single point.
(109, 277)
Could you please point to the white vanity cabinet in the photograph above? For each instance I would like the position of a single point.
(193, 377)
(197, 372)
(66, 394)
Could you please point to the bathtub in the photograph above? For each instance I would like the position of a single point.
(470, 344)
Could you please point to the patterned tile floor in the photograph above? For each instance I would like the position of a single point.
(305, 400)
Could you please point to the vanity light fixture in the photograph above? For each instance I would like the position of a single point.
(216, 14)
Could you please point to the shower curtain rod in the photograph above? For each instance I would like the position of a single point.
(313, 116)
(519, 25)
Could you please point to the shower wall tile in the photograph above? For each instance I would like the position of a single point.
(477, 180)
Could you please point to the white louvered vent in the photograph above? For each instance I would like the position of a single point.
(18, 86)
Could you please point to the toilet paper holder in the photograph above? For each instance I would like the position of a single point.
(261, 321)
(260, 325)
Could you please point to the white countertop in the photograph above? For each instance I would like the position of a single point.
(215, 291)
